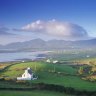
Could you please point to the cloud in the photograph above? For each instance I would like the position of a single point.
(56, 28)
(4, 31)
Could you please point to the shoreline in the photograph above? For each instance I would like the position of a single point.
(28, 56)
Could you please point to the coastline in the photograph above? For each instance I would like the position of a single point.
(22, 56)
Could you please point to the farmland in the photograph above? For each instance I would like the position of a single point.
(78, 74)
(46, 74)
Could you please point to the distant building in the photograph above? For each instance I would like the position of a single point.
(23, 61)
(87, 56)
(27, 75)
(48, 61)
(55, 61)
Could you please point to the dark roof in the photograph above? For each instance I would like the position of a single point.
(29, 71)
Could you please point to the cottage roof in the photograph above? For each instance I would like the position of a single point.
(29, 70)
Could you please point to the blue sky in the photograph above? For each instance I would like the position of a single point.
(15, 14)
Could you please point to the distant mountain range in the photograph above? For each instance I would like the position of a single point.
(39, 44)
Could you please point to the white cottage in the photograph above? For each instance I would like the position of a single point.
(28, 75)
(55, 61)
(48, 61)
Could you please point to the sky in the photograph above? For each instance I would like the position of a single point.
(23, 20)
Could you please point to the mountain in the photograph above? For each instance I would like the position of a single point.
(38, 44)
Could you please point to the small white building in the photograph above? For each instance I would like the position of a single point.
(23, 61)
(27, 75)
(88, 56)
(48, 61)
(55, 61)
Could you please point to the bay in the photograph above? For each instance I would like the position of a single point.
(18, 56)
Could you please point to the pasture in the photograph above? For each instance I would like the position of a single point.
(31, 93)
(51, 74)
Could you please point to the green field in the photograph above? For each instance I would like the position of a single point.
(18, 69)
(45, 74)
(31, 93)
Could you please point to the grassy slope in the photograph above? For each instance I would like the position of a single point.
(31, 93)
(42, 69)
(7, 84)
(68, 81)
(18, 69)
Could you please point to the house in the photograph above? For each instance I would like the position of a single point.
(48, 61)
(87, 56)
(23, 61)
(55, 61)
(27, 75)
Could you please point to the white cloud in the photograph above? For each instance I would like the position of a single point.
(56, 28)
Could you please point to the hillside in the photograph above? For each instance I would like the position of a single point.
(39, 44)
(51, 74)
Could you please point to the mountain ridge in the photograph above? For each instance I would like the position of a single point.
(50, 44)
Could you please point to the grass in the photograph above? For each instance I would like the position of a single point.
(42, 70)
(8, 84)
(67, 81)
(2, 65)
(18, 69)
(31, 93)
